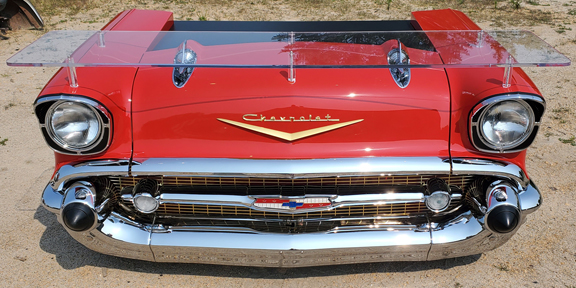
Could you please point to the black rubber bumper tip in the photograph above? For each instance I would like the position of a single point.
(503, 219)
(78, 217)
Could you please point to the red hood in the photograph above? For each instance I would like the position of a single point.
(183, 122)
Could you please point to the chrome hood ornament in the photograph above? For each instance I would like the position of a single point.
(181, 74)
(398, 56)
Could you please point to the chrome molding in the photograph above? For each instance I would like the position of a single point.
(110, 162)
(464, 166)
(483, 106)
(98, 109)
(289, 169)
(249, 201)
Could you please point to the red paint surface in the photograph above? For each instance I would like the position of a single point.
(110, 86)
(427, 118)
(145, 20)
(397, 122)
(114, 94)
(444, 19)
(468, 87)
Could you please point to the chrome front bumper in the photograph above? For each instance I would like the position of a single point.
(460, 236)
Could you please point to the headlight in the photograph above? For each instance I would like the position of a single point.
(73, 125)
(506, 124)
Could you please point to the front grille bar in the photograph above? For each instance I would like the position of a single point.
(323, 182)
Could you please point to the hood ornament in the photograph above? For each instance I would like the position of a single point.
(399, 57)
(181, 74)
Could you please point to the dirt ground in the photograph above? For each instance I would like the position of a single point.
(36, 250)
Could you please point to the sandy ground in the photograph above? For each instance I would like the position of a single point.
(36, 250)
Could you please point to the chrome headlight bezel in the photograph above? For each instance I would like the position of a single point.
(534, 106)
(44, 109)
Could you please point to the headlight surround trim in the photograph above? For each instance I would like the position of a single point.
(43, 108)
(535, 106)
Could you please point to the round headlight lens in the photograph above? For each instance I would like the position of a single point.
(507, 124)
(73, 125)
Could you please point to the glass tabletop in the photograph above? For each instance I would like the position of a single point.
(425, 49)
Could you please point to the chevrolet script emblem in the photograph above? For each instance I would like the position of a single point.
(290, 136)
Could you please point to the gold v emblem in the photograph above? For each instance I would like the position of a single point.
(290, 136)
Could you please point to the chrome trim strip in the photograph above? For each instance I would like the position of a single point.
(464, 166)
(292, 169)
(73, 98)
(377, 227)
(504, 97)
(212, 229)
(206, 199)
(109, 162)
(386, 198)
(69, 173)
(292, 220)
(382, 227)
(248, 201)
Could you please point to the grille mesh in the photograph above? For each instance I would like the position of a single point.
(400, 209)
(461, 181)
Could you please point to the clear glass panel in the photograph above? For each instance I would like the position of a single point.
(272, 49)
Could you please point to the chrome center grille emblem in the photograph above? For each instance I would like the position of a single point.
(291, 203)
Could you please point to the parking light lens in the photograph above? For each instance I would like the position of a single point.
(438, 201)
(145, 203)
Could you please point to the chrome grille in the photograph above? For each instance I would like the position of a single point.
(185, 214)
(461, 181)
(202, 210)
(190, 213)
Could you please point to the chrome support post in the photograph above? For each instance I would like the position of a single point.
(507, 72)
(291, 76)
(399, 51)
(101, 42)
(72, 76)
(480, 39)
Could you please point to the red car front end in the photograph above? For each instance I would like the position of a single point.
(267, 166)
